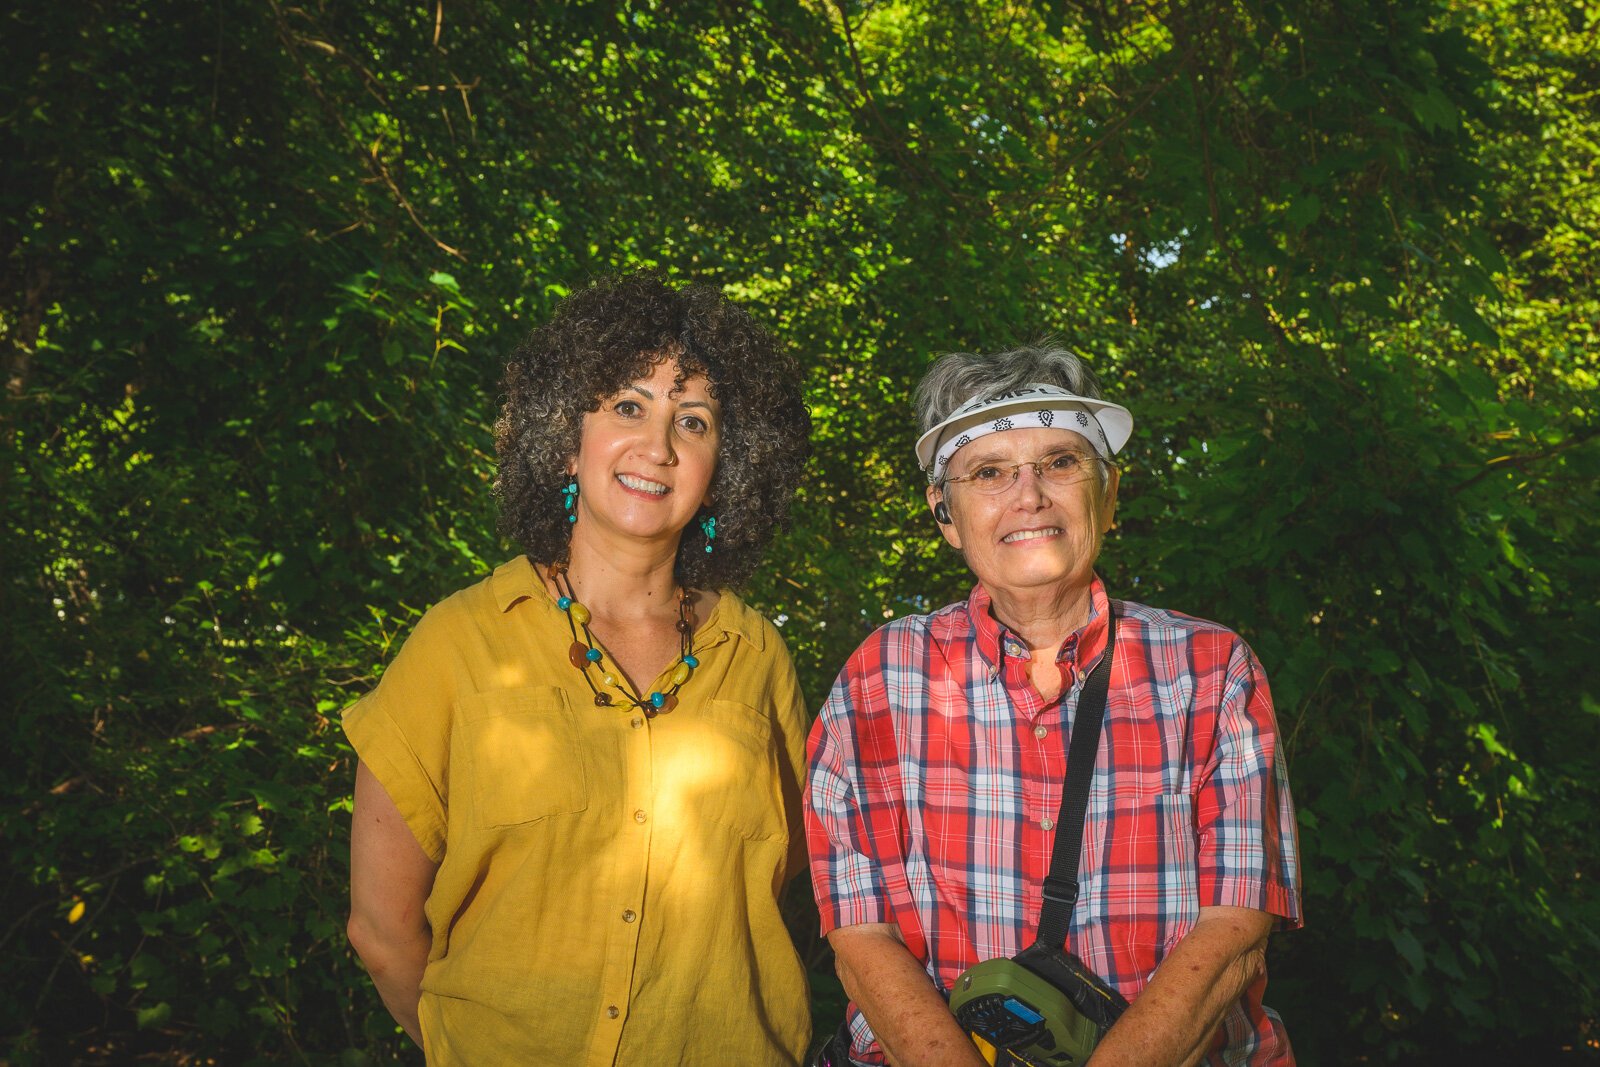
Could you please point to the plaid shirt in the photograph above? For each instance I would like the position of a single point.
(936, 772)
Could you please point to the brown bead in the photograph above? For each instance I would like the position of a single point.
(669, 702)
(649, 712)
(578, 655)
(683, 626)
(602, 700)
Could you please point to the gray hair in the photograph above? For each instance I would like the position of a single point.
(958, 377)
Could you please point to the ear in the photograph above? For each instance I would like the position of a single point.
(947, 526)
(1108, 507)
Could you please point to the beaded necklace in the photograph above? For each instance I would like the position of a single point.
(583, 654)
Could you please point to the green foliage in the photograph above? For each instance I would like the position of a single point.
(260, 264)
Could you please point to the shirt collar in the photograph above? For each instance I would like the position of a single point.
(1088, 641)
(516, 580)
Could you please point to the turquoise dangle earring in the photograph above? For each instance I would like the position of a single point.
(569, 495)
(709, 525)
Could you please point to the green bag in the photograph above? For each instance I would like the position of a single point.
(1041, 1008)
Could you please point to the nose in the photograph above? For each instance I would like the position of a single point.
(657, 447)
(1031, 495)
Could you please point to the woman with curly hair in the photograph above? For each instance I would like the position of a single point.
(578, 792)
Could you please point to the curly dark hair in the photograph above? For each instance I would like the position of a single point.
(611, 333)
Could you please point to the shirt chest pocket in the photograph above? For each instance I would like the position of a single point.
(717, 764)
(525, 759)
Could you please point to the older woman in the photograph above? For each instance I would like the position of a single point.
(578, 786)
(939, 762)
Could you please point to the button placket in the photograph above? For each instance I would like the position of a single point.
(633, 872)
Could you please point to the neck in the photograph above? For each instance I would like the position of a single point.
(622, 579)
(1042, 618)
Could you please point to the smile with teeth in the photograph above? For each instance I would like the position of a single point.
(1029, 535)
(643, 485)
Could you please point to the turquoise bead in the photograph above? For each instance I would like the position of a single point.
(691, 661)
(657, 699)
(594, 655)
(564, 603)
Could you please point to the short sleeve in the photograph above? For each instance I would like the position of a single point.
(789, 717)
(401, 729)
(846, 806)
(1248, 851)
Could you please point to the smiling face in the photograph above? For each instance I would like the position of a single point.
(1033, 537)
(646, 457)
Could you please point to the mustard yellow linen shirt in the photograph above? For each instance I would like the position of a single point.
(607, 890)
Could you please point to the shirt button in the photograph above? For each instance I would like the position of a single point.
(1047, 823)
(628, 916)
(636, 722)
(612, 1012)
(1040, 732)
(639, 816)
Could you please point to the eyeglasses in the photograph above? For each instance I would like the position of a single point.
(1061, 468)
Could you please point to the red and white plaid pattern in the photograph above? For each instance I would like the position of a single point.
(935, 779)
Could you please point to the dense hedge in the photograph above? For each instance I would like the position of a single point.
(262, 262)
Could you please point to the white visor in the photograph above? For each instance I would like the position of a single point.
(1106, 426)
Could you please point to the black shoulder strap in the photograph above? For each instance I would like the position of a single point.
(1061, 884)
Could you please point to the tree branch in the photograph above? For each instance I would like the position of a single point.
(375, 163)
(1524, 460)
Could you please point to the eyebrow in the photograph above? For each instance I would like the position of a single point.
(648, 395)
(1004, 460)
(989, 457)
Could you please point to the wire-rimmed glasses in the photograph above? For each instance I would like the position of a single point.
(1062, 467)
